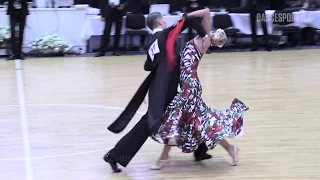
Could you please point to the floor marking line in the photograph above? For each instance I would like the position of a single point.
(65, 105)
(55, 156)
(24, 121)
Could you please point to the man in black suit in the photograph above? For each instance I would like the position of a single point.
(111, 11)
(18, 11)
(256, 7)
(162, 86)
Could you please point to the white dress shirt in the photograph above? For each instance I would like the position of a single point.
(156, 30)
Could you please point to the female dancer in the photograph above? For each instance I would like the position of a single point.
(188, 121)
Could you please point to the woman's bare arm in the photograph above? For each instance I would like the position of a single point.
(206, 19)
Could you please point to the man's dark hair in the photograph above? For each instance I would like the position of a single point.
(152, 19)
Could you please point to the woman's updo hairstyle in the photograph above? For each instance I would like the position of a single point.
(218, 38)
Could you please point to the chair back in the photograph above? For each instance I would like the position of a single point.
(222, 21)
(283, 17)
(135, 21)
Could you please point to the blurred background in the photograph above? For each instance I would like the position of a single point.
(75, 27)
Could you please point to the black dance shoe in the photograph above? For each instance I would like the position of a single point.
(113, 163)
(12, 57)
(116, 53)
(21, 57)
(99, 54)
(254, 49)
(204, 157)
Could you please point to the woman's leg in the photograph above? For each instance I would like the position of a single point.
(232, 150)
(165, 152)
(163, 160)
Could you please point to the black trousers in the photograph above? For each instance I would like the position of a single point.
(16, 43)
(130, 144)
(253, 21)
(115, 16)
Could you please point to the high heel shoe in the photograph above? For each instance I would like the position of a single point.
(112, 162)
(159, 164)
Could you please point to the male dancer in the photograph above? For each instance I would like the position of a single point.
(162, 86)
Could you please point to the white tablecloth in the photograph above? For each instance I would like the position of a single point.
(94, 26)
(66, 22)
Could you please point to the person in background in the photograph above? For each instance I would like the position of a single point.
(111, 11)
(18, 12)
(254, 7)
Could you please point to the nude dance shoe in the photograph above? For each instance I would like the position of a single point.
(159, 164)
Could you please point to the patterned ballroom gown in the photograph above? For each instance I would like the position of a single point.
(189, 120)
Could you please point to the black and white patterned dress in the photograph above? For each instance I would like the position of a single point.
(189, 120)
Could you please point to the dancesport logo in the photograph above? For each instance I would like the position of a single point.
(279, 18)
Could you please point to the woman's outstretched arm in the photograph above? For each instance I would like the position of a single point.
(206, 19)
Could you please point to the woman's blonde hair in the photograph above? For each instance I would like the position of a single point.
(218, 38)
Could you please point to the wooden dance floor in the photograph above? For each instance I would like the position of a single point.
(54, 115)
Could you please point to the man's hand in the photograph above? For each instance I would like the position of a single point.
(120, 7)
(102, 19)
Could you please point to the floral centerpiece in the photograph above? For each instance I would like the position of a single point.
(5, 34)
(51, 44)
